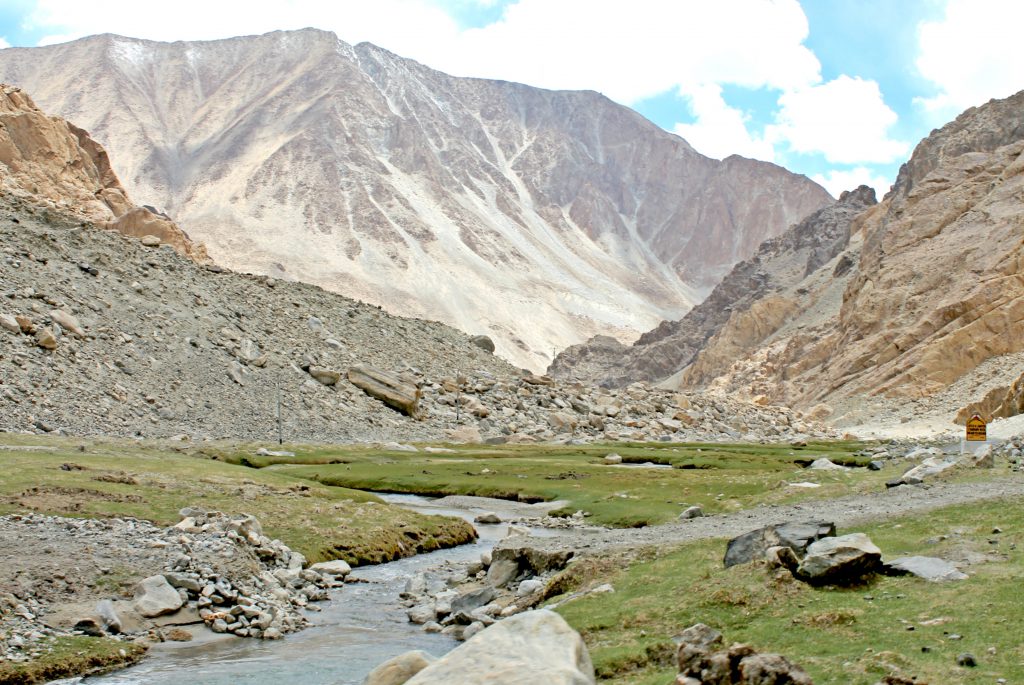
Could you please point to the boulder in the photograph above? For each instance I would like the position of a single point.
(10, 323)
(487, 517)
(67, 322)
(46, 339)
(825, 464)
(324, 376)
(154, 596)
(532, 647)
(389, 388)
(796, 536)
(932, 466)
(928, 568)
(691, 513)
(108, 616)
(841, 560)
(399, 669)
(474, 599)
(612, 459)
(483, 342)
(984, 458)
(737, 665)
(336, 568)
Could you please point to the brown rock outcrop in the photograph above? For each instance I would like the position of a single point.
(748, 302)
(53, 163)
(937, 288)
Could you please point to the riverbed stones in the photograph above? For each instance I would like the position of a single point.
(154, 596)
(487, 517)
(473, 599)
(841, 560)
(337, 568)
(397, 670)
(797, 536)
(532, 647)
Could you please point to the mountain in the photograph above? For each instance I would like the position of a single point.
(919, 313)
(537, 217)
(779, 264)
(58, 167)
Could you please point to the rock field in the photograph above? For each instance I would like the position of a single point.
(101, 334)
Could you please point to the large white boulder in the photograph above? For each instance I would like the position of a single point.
(154, 596)
(525, 649)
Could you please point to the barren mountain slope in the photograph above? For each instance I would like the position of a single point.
(538, 217)
(936, 292)
(747, 303)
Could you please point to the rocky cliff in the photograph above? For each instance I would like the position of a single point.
(749, 293)
(538, 217)
(935, 292)
(58, 166)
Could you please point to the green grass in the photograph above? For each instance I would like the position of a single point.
(153, 482)
(850, 636)
(718, 477)
(67, 656)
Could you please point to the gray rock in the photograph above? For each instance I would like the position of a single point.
(108, 616)
(421, 613)
(840, 560)
(929, 568)
(10, 323)
(473, 599)
(154, 596)
(151, 240)
(694, 644)
(502, 572)
(399, 669)
(532, 647)
(612, 459)
(336, 568)
(472, 629)
(183, 580)
(529, 586)
(825, 464)
(691, 513)
(487, 517)
(797, 536)
(483, 342)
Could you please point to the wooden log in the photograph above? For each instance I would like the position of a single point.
(389, 388)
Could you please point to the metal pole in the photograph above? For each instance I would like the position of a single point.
(280, 430)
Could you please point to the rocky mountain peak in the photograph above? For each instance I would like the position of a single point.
(536, 217)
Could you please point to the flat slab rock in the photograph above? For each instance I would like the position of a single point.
(929, 568)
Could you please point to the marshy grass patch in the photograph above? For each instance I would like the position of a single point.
(854, 636)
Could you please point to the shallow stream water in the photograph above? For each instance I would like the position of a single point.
(363, 625)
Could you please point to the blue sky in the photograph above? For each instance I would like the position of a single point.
(839, 90)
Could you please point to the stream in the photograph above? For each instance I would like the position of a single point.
(363, 625)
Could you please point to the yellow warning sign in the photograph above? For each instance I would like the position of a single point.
(976, 428)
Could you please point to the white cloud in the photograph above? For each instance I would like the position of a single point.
(721, 130)
(4, 43)
(838, 180)
(845, 119)
(629, 51)
(972, 54)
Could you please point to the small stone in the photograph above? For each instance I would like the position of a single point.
(489, 517)
(612, 459)
(46, 339)
(691, 513)
(151, 241)
(966, 659)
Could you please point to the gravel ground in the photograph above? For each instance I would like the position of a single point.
(844, 512)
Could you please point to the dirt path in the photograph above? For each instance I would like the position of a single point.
(843, 511)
